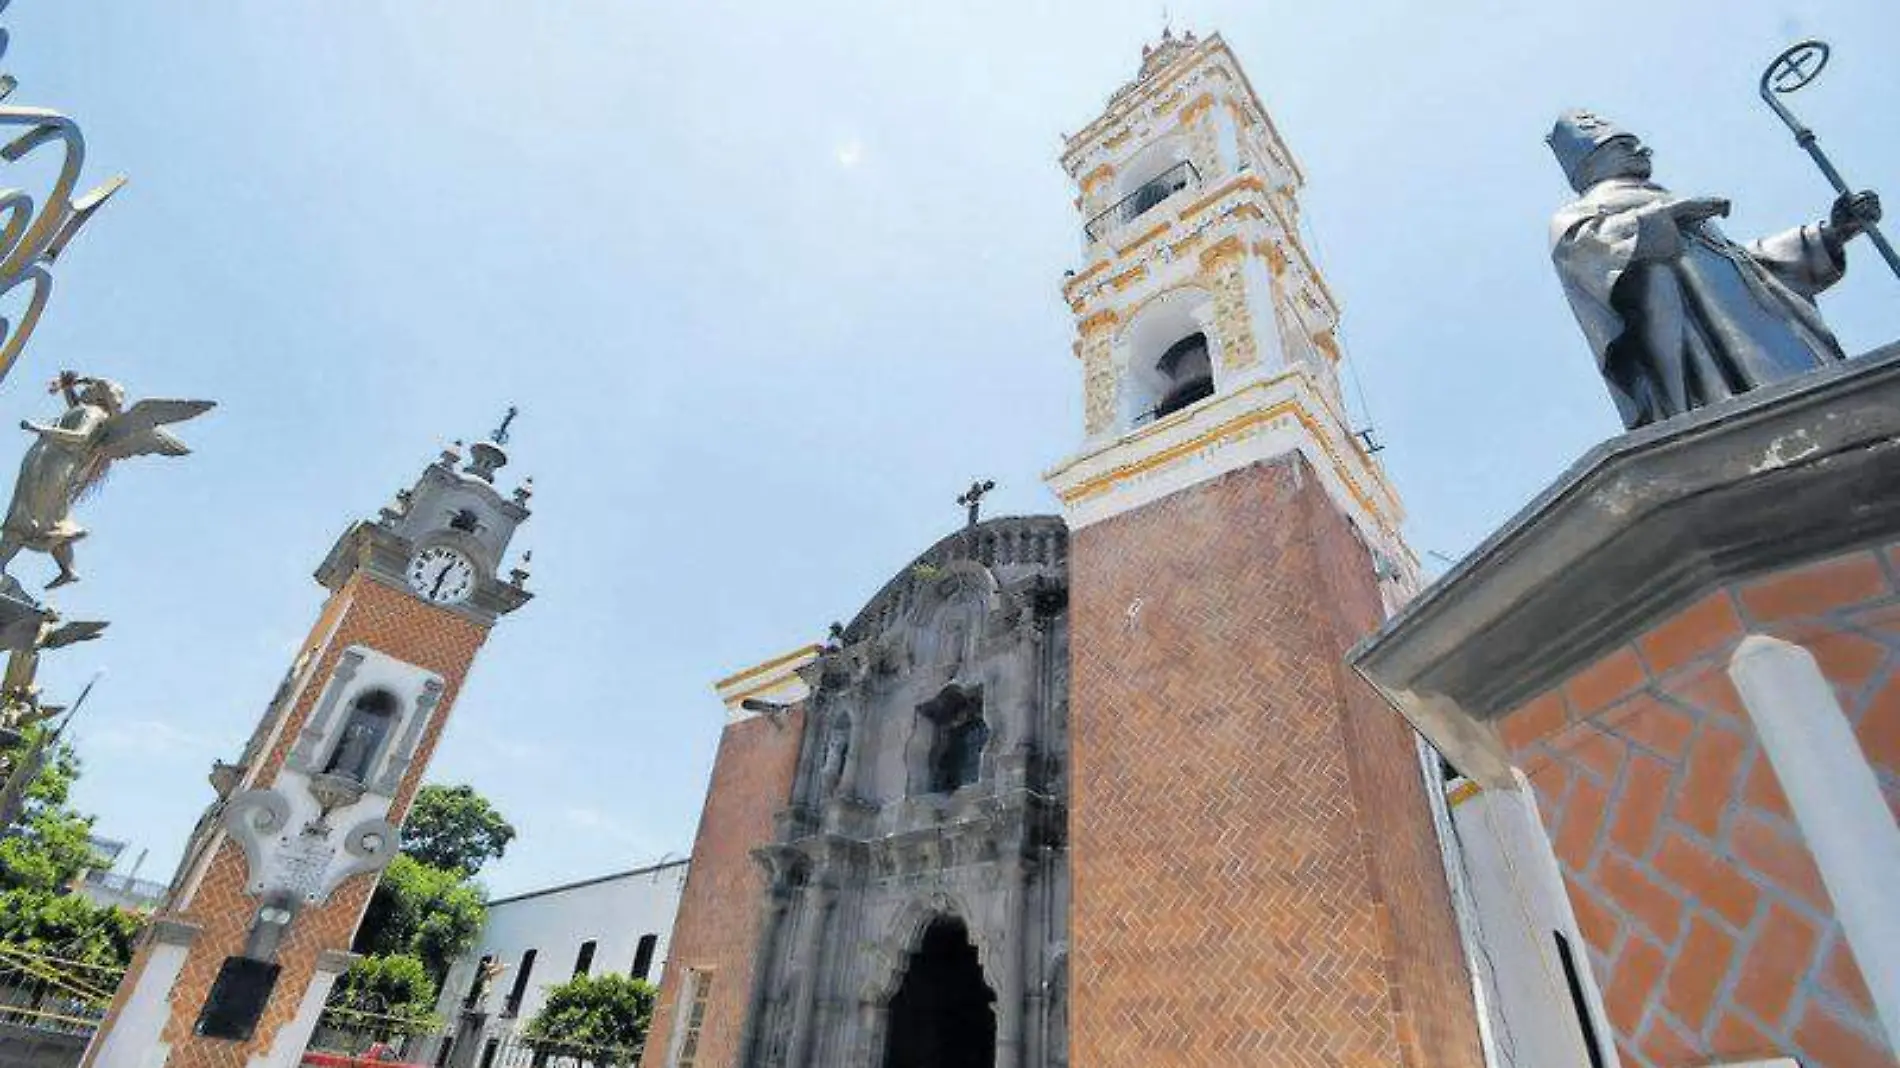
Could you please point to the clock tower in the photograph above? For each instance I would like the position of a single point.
(237, 964)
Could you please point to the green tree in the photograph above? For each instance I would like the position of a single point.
(455, 828)
(397, 986)
(432, 914)
(601, 1011)
(68, 926)
(52, 845)
(45, 852)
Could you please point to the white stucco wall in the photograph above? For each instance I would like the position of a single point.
(613, 911)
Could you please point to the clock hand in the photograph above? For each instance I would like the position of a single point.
(440, 577)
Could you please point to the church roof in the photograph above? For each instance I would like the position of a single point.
(1006, 541)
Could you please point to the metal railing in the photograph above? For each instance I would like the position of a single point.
(351, 1032)
(352, 1038)
(50, 994)
(1149, 194)
(517, 1052)
(126, 885)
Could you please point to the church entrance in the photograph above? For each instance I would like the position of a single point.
(943, 1015)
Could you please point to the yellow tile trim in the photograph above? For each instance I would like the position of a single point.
(1463, 792)
(1108, 480)
(776, 662)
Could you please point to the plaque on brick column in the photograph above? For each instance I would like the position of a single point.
(237, 999)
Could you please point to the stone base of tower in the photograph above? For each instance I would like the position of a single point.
(1256, 877)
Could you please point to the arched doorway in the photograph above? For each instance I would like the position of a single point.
(943, 1015)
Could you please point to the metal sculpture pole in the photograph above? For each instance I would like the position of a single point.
(1791, 70)
(36, 231)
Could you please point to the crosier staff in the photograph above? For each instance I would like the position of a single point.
(1791, 70)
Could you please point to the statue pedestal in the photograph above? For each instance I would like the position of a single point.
(1591, 649)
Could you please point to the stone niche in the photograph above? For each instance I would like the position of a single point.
(1659, 647)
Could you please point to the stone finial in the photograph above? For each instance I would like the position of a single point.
(485, 458)
(452, 453)
(396, 508)
(518, 576)
(525, 491)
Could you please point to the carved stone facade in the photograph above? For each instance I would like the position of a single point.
(929, 787)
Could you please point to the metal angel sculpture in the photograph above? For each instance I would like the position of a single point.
(20, 705)
(70, 459)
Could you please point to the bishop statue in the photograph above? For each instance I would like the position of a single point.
(1679, 315)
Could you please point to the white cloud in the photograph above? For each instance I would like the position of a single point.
(850, 154)
(151, 736)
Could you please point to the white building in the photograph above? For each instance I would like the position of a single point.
(619, 923)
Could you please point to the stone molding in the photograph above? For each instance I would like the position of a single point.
(169, 931)
(1635, 530)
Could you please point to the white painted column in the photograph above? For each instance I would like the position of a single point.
(133, 1041)
(1519, 902)
(1836, 800)
(288, 1048)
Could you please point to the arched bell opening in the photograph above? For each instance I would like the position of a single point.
(943, 1014)
(1189, 372)
(1170, 357)
(1143, 183)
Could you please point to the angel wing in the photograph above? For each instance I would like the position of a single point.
(138, 431)
(71, 633)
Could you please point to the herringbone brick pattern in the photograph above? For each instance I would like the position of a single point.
(1708, 927)
(1228, 904)
(373, 615)
(717, 929)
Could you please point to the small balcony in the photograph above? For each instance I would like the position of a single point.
(1145, 197)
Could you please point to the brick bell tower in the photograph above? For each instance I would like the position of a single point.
(237, 964)
(1256, 877)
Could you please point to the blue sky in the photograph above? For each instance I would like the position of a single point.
(770, 283)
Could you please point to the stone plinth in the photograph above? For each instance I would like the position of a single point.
(1589, 647)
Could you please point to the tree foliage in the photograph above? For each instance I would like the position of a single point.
(432, 914)
(51, 846)
(68, 926)
(610, 1011)
(455, 828)
(41, 857)
(397, 985)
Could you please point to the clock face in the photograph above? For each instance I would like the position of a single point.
(442, 575)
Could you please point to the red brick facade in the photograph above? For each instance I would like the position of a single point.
(1710, 933)
(1256, 880)
(381, 618)
(717, 931)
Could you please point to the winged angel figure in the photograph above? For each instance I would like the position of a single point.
(70, 458)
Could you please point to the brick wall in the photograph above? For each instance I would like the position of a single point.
(1431, 982)
(1241, 817)
(1708, 928)
(724, 897)
(403, 627)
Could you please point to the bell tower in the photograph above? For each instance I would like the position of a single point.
(237, 964)
(1256, 878)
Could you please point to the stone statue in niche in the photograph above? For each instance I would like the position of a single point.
(952, 643)
(1679, 315)
(361, 739)
(837, 748)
